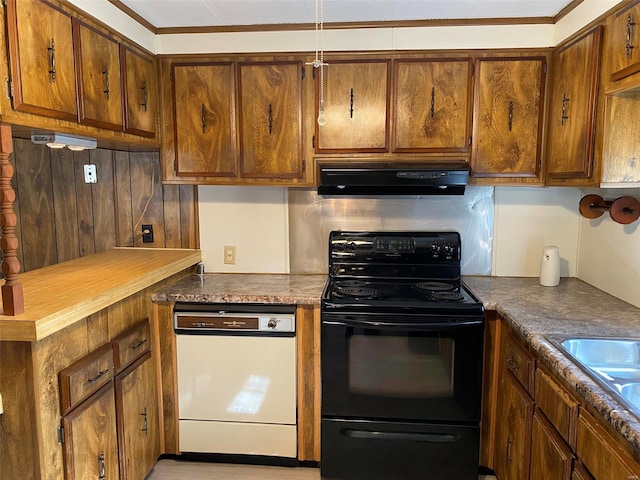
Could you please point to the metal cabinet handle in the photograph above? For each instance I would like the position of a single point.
(351, 103)
(630, 25)
(203, 118)
(103, 468)
(52, 61)
(433, 101)
(510, 115)
(105, 73)
(145, 426)
(98, 376)
(513, 365)
(564, 117)
(145, 95)
(270, 120)
(138, 344)
(509, 443)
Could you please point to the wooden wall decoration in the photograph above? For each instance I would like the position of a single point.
(59, 217)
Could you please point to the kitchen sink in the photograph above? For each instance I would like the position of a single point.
(612, 362)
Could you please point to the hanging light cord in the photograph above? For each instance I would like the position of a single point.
(321, 48)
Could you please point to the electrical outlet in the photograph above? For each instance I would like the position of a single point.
(230, 254)
(147, 233)
(90, 174)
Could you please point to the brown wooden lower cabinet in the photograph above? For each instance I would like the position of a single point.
(137, 419)
(550, 456)
(513, 431)
(111, 428)
(579, 473)
(600, 454)
(90, 440)
(542, 432)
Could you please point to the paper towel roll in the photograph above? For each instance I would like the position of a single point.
(550, 266)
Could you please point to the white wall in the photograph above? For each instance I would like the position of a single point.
(443, 37)
(254, 219)
(527, 219)
(609, 253)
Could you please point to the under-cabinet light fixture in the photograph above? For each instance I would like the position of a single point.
(58, 140)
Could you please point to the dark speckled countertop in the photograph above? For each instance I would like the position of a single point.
(573, 308)
(245, 288)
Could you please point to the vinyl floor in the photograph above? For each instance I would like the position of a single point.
(174, 470)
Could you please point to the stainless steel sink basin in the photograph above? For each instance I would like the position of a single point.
(612, 362)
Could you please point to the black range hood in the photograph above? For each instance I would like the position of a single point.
(384, 178)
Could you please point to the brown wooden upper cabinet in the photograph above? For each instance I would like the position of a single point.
(270, 108)
(42, 64)
(356, 99)
(624, 42)
(572, 111)
(432, 105)
(139, 92)
(204, 120)
(98, 77)
(507, 122)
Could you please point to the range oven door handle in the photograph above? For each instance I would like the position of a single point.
(401, 436)
(404, 325)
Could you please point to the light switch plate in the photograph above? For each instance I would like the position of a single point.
(90, 174)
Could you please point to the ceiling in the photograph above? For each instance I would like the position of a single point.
(168, 14)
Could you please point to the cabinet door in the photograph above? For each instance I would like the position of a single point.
(42, 64)
(204, 122)
(551, 459)
(573, 108)
(137, 417)
(139, 92)
(432, 105)
(356, 100)
(579, 473)
(513, 431)
(600, 453)
(624, 42)
(508, 119)
(98, 77)
(270, 97)
(90, 441)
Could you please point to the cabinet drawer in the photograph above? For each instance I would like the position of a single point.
(520, 362)
(557, 405)
(85, 377)
(598, 452)
(131, 344)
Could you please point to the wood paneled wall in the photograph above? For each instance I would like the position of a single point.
(60, 217)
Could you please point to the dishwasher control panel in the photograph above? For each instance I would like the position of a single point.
(203, 318)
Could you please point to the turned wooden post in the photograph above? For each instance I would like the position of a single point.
(12, 296)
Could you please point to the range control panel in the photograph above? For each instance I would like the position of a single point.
(419, 247)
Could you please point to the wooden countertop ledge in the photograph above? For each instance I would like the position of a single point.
(59, 295)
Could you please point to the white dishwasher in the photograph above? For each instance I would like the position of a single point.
(236, 379)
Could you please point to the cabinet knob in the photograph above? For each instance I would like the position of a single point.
(102, 467)
(145, 426)
(145, 95)
(105, 73)
(433, 102)
(52, 61)
(630, 25)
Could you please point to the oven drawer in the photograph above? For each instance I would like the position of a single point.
(365, 450)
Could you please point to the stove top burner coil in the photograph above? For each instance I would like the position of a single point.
(434, 286)
(448, 296)
(360, 292)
